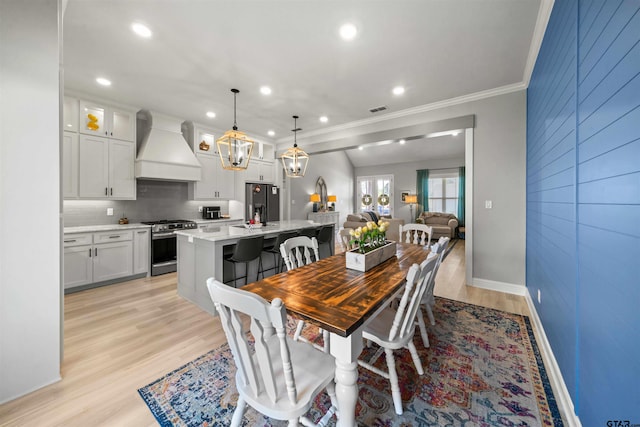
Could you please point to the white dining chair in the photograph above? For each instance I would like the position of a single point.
(276, 376)
(393, 328)
(345, 238)
(418, 234)
(297, 252)
(428, 299)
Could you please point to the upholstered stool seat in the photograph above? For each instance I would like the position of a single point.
(246, 250)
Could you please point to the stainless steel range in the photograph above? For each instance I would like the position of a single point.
(164, 243)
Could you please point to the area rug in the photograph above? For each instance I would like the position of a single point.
(483, 368)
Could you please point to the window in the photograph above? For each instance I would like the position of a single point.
(443, 191)
(375, 193)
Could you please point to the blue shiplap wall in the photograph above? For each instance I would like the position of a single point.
(551, 186)
(583, 202)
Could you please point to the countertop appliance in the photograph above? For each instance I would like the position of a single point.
(164, 244)
(263, 199)
(211, 212)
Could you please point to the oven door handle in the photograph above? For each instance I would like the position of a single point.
(168, 235)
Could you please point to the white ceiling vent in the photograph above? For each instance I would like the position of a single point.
(377, 109)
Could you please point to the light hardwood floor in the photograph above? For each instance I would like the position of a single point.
(121, 337)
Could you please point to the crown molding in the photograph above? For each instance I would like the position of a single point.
(502, 90)
(544, 14)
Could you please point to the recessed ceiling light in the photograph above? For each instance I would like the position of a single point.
(398, 90)
(141, 30)
(324, 119)
(69, 125)
(348, 31)
(402, 141)
(211, 114)
(104, 82)
(271, 133)
(361, 148)
(265, 90)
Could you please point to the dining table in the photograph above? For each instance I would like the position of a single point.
(341, 301)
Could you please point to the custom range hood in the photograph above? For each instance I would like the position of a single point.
(163, 153)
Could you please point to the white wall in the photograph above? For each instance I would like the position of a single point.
(337, 171)
(499, 170)
(404, 179)
(29, 196)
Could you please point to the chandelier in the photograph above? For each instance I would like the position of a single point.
(294, 160)
(234, 147)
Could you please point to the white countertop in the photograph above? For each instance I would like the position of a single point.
(106, 227)
(213, 221)
(112, 227)
(215, 233)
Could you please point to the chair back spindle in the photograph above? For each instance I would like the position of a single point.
(417, 234)
(297, 251)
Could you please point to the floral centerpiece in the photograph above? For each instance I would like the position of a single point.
(370, 246)
(370, 236)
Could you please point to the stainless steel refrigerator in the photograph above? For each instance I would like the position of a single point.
(263, 199)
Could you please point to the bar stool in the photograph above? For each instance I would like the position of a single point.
(247, 250)
(275, 249)
(324, 237)
(309, 232)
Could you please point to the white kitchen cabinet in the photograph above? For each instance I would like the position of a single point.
(101, 256)
(216, 182)
(107, 121)
(259, 171)
(204, 138)
(78, 260)
(94, 167)
(206, 187)
(106, 168)
(70, 165)
(112, 260)
(70, 114)
(264, 152)
(122, 179)
(141, 251)
(226, 182)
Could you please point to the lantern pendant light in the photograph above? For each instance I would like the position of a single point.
(235, 147)
(294, 160)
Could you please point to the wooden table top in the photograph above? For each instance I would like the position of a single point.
(334, 298)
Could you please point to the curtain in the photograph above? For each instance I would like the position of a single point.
(422, 191)
(461, 200)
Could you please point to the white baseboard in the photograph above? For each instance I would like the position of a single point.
(30, 390)
(508, 288)
(563, 398)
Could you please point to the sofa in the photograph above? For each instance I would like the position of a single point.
(443, 224)
(359, 219)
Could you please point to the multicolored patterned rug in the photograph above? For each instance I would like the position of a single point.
(483, 368)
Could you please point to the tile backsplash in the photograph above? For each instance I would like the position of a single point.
(155, 200)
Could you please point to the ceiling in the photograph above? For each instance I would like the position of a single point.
(199, 50)
(413, 150)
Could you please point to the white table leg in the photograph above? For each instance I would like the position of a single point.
(346, 351)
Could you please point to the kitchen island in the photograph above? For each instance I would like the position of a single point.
(201, 255)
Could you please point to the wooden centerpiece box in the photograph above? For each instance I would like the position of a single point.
(356, 260)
